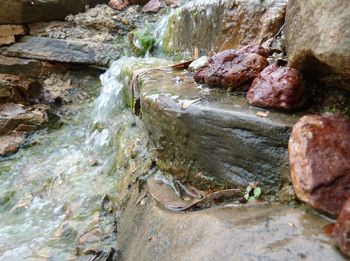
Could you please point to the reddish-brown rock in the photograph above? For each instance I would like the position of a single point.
(341, 232)
(233, 68)
(118, 4)
(153, 6)
(319, 157)
(278, 88)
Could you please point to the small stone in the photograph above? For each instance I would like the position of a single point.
(118, 4)
(153, 6)
(341, 232)
(319, 158)
(9, 144)
(232, 68)
(278, 88)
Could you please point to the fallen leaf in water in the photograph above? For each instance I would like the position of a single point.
(328, 229)
(263, 114)
(187, 103)
(291, 224)
(166, 195)
(181, 65)
(141, 197)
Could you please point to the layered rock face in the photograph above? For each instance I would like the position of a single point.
(341, 232)
(320, 161)
(24, 12)
(221, 25)
(277, 88)
(318, 40)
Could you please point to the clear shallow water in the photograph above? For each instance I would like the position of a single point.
(51, 192)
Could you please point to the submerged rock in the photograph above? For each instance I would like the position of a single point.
(277, 88)
(341, 232)
(317, 34)
(233, 68)
(9, 144)
(320, 161)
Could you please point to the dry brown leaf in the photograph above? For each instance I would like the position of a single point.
(263, 114)
(187, 103)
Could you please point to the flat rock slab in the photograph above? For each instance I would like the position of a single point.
(24, 67)
(229, 233)
(56, 50)
(218, 134)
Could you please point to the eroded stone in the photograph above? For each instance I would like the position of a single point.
(277, 88)
(320, 161)
(341, 232)
(9, 144)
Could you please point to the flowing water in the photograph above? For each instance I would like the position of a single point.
(51, 193)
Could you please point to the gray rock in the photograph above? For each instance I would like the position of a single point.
(318, 40)
(218, 135)
(23, 12)
(55, 50)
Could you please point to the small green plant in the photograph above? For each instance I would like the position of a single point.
(143, 41)
(253, 191)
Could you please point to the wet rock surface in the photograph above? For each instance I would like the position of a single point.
(319, 46)
(18, 118)
(228, 233)
(23, 12)
(216, 134)
(233, 68)
(10, 143)
(341, 232)
(277, 88)
(221, 25)
(320, 161)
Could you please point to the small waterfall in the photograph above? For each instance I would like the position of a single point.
(50, 191)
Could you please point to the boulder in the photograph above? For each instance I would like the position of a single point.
(319, 158)
(277, 88)
(219, 25)
(25, 12)
(341, 232)
(317, 39)
(232, 68)
(8, 33)
(56, 50)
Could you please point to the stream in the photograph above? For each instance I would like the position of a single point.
(51, 192)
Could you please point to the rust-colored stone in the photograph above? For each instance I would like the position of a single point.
(278, 88)
(232, 68)
(118, 4)
(341, 232)
(320, 161)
